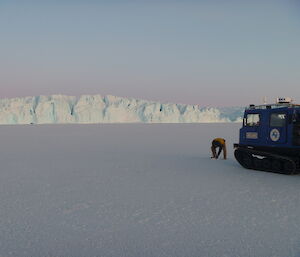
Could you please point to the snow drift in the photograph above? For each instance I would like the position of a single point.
(107, 109)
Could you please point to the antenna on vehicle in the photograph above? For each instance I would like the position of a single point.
(264, 100)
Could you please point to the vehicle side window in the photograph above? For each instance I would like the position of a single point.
(296, 117)
(278, 120)
(252, 119)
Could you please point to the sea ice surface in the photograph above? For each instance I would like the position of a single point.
(139, 190)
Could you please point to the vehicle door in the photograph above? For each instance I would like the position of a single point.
(278, 127)
(252, 128)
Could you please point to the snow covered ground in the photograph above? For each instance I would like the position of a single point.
(139, 190)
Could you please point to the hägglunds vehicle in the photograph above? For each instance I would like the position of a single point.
(270, 138)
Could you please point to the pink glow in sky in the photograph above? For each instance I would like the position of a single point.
(197, 52)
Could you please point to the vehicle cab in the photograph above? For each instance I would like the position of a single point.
(271, 125)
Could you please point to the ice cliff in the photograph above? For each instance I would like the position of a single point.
(107, 109)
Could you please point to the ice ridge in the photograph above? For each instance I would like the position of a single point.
(108, 109)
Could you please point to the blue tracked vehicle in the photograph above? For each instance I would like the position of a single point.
(270, 138)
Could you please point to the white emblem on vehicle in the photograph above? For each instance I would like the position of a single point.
(274, 135)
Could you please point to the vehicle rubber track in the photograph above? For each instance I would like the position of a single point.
(264, 161)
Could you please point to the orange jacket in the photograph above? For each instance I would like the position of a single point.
(220, 140)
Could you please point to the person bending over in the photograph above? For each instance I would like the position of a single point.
(221, 145)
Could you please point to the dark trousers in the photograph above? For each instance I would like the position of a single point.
(216, 145)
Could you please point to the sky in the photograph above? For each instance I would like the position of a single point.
(209, 52)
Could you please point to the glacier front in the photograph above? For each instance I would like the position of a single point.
(108, 109)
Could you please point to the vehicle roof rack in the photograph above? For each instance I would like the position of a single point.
(273, 106)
